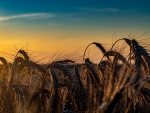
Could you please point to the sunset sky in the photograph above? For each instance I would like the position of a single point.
(45, 27)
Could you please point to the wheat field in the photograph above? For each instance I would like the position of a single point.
(119, 83)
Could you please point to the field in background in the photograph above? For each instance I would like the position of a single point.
(118, 83)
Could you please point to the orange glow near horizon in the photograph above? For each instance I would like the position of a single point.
(44, 43)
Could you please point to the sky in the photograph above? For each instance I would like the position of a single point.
(48, 27)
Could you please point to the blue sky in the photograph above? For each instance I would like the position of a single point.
(67, 21)
(87, 12)
(83, 9)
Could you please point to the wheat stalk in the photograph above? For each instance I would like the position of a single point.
(98, 45)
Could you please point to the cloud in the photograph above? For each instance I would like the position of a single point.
(53, 24)
(110, 10)
(31, 15)
(99, 9)
(77, 19)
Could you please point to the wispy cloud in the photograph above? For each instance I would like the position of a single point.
(99, 9)
(53, 24)
(76, 19)
(31, 15)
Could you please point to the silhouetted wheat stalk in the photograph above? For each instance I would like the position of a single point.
(98, 45)
(117, 84)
